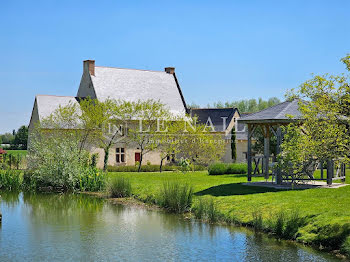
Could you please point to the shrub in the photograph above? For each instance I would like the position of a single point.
(144, 168)
(119, 187)
(223, 168)
(10, 180)
(217, 169)
(237, 168)
(176, 197)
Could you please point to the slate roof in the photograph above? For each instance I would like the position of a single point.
(133, 85)
(215, 114)
(47, 104)
(276, 113)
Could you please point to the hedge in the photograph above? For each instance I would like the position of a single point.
(223, 168)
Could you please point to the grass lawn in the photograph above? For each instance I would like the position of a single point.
(16, 152)
(327, 211)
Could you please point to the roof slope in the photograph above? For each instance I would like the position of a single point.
(47, 104)
(274, 113)
(217, 116)
(133, 85)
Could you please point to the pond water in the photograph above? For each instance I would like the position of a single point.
(53, 227)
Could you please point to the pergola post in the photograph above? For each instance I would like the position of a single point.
(278, 150)
(330, 171)
(266, 150)
(249, 153)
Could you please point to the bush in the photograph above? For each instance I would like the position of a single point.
(223, 168)
(144, 168)
(11, 180)
(176, 197)
(217, 169)
(119, 187)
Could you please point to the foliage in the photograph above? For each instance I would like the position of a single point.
(7, 138)
(144, 168)
(57, 162)
(258, 146)
(10, 180)
(323, 132)
(119, 187)
(21, 137)
(199, 144)
(184, 164)
(152, 116)
(244, 105)
(223, 168)
(91, 179)
(176, 197)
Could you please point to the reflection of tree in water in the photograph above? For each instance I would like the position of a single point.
(64, 209)
(10, 198)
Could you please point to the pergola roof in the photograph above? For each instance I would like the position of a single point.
(279, 113)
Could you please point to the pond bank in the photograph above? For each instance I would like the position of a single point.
(323, 213)
(78, 227)
(133, 202)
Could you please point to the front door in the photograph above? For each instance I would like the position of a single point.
(137, 157)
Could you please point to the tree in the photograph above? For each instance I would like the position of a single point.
(21, 137)
(7, 138)
(168, 142)
(199, 145)
(152, 116)
(120, 113)
(246, 105)
(323, 132)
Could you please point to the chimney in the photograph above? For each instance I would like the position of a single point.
(89, 66)
(170, 70)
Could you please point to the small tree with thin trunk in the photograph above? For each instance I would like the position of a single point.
(151, 117)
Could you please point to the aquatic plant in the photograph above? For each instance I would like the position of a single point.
(176, 197)
(10, 179)
(205, 209)
(119, 187)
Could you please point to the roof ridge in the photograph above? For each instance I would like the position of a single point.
(285, 109)
(158, 71)
(56, 96)
(252, 114)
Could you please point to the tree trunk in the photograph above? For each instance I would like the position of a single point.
(141, 156)
(161, 164)
(105, 160)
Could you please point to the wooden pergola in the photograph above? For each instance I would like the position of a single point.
(270, 121)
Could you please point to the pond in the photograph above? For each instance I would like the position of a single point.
(54, 227)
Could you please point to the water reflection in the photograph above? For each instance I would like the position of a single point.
(52, 227)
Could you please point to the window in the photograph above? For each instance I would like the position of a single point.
(120, 155)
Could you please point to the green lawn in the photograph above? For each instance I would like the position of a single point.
(326, 210)
(16, 152)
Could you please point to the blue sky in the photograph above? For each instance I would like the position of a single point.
(222, 50)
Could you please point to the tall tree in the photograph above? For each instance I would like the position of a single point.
(21, 137)
(323, 132)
